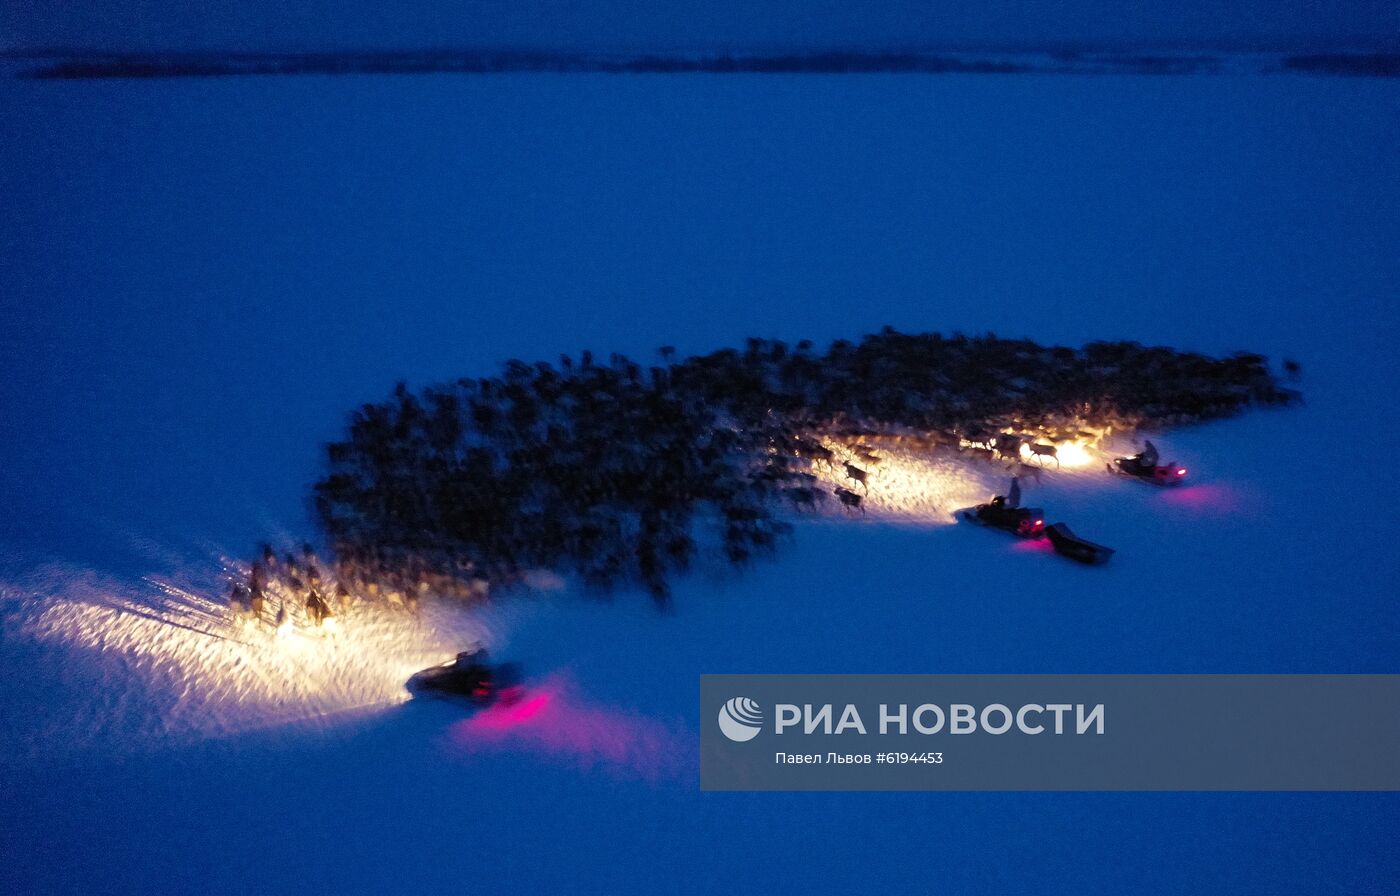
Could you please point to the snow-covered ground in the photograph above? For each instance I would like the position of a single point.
(199, 279)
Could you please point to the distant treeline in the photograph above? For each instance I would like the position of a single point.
(605, 468)
(1382, 65)
(81, 64)
(488, 62)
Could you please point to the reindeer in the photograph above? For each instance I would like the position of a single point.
(238, 598)
(1031, 471)
(1008, 446)
(802, 497)
(979, 453)
(317, 608)
(850, 499)
(294, 586)
(976, 438)
(866, 456)
(859, 475)
(813, 451)
(1039, 452)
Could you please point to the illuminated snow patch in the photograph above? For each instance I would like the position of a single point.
(171, 663)
(905, 485)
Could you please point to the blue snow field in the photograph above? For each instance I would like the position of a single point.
(200, 279)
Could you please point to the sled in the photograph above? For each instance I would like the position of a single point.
(1067, 544)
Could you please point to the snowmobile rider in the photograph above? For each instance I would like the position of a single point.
(1147, 457)
(1012, 498)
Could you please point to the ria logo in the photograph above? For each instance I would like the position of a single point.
(740, 719)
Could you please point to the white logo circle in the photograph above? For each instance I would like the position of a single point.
(740, 719)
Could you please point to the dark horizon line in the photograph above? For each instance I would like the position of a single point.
(1242, 44)
(87, 66)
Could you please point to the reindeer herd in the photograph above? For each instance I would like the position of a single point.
(302, 589)
(621, 472)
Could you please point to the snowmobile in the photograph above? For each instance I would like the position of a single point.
(1067, 544)
(471, 676)
(1029, 523)
(1006, 512)
(1144, 466)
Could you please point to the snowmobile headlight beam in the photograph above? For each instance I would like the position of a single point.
(1065, 454)
(1074, 454)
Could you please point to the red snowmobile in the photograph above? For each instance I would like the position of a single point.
(471, 677)
(1144, 465)
(1006, 512)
